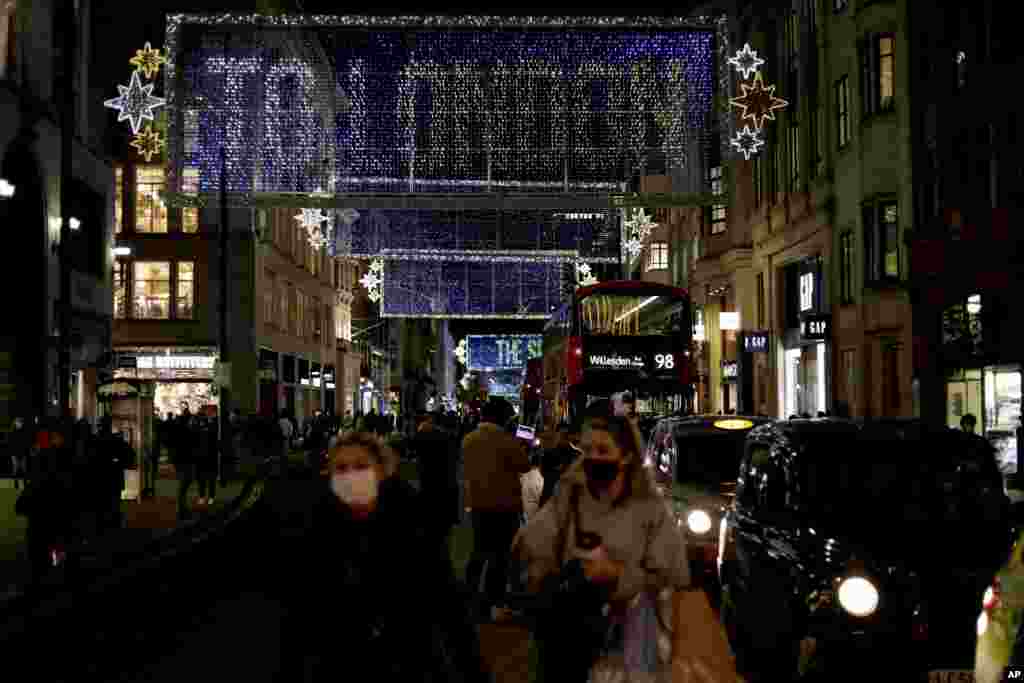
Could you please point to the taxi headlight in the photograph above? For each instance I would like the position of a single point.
(858, 596)
(699, 522)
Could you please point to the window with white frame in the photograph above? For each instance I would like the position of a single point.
(657, 256)
(160, 290)
(878, 73)
(152, 290)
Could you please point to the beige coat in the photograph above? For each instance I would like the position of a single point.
(641, 531)
(493, 460)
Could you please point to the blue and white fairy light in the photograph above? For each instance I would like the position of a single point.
(485, 99)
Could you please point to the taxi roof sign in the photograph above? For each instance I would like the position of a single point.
(734, 424)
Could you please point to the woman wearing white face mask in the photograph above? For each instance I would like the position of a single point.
(388, 604)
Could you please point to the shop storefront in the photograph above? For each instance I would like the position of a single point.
(804, 362)
(702, 386)
(993, 395)
(182, 377)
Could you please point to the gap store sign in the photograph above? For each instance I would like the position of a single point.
(502, 352)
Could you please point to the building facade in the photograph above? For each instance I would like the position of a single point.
(33, 40)
(968, 192)
(811, 254)
(296, 334)
(165, 310)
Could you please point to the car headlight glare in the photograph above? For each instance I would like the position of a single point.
(699, 522)
(858, 596)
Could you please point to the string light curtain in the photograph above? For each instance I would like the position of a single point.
(437, 104)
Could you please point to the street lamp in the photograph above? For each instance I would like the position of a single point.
(6, 189)
(74, 223)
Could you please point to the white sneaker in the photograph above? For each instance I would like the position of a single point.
(209, 501)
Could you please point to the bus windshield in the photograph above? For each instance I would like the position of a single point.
(626, 315)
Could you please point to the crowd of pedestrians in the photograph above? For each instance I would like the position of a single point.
(71, 479)
(579, 526)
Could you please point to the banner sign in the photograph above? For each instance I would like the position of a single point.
(816, 328)
(755, 342)
(502, 352)
(730, 370)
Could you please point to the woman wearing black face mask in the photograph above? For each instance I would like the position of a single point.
(608, 516)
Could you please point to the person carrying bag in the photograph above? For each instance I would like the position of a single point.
(617, 604)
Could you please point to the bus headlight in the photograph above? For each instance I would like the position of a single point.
(699, 522)
(858, 596)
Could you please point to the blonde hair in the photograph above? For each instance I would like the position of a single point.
(640, 482)
(380, 453)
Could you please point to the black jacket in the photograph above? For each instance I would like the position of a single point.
(387, 599)
(437, 461)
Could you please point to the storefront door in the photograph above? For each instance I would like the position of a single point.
(804, 389)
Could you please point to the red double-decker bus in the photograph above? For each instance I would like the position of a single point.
(615, 337)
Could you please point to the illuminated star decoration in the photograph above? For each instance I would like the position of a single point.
(149, 143)
(311, 218)
(148, 61)
(460, 352)
(584, 278)
(746, 61)
(747, 141)
(640, 225)
(135, 103)
(758, 101)
(316, 238)
(634, 247)
(373, 280)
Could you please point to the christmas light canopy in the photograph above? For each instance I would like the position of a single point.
(746, 61)
(758, 101)
(148, 61)
(348, 216)
(148, 143)
(136, 103)
(747, 141)
(373, 281)
(436, 104)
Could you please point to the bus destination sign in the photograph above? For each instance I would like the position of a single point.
(610, 360)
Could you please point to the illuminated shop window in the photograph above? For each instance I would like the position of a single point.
(150, 209)
(657, 256)
(184, 303)
(152, 284)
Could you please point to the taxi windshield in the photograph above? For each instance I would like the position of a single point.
(901, 481)
(708, 458)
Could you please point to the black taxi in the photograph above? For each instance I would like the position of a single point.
(696, 460)
(861, 548)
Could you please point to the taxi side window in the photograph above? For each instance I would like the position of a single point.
(765, 490)
(752, 473)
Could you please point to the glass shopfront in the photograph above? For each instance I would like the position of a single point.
(804, 368)
(993, 396)
(804, 385)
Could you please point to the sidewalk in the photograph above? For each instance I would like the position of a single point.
(144, 520)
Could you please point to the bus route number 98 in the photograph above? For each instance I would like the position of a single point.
(665, 361)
